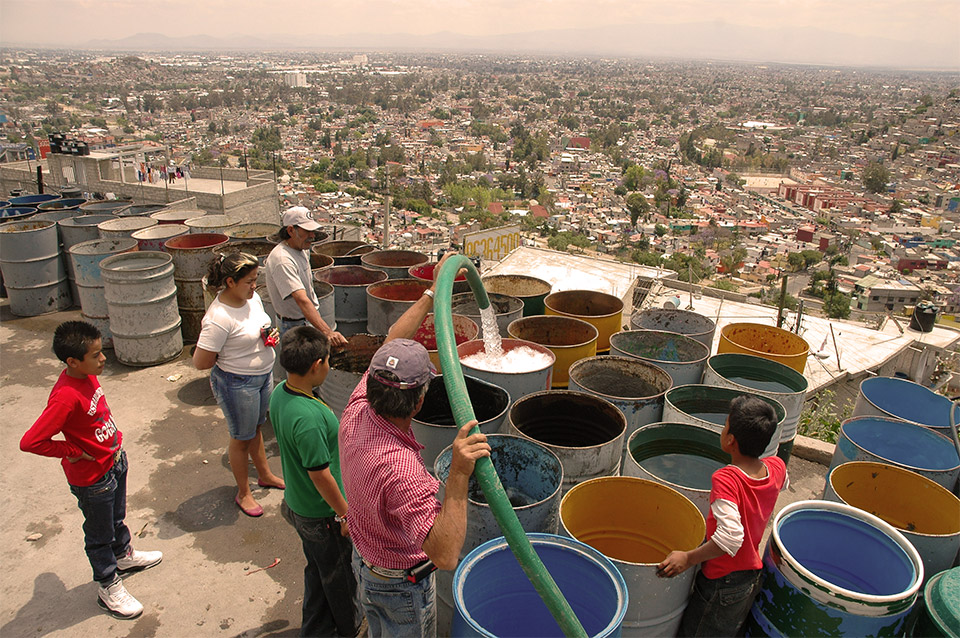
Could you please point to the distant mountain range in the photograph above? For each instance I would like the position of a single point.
(701, 40)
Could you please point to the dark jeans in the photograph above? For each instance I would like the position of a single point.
(719, 606)
(330, 603)
(104, 506)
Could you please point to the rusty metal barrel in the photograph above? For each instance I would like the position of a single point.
(86, 257)
(388, 300)
(33, 270)
(685, 322)
(124, 226)
(396, 263)
(350, 295)
(192, 254)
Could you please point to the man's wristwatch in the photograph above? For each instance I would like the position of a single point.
(340, 519)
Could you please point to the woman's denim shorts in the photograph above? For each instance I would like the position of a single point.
(244, 400)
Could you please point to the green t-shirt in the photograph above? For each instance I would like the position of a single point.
(306, 431)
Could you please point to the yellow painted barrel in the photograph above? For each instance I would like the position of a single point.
(604, 312)
(568, 338)
(768, 342)
(636, 523)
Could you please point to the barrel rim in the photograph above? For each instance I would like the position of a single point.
(823, 585)
(631, 361)
(123, 222)
(166, 258)
(553, 296)
(389, 283)
(7, 227)
(616, 413)
(514, 343)
(526, 278)
(335, 268)
(683, 337)
(91, 220)
(783, 368)
(146, 233)
(898, 423)
(367, 259)
(658, 424)
(724, 334)
(469, 296)
(500, 415)
(82, 247)
(655, 311)
(776, 403)
(873, 380)
(533, 319)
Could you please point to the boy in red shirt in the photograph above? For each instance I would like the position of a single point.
(742, 497)
(94, 462)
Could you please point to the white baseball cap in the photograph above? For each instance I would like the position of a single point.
(300, 216)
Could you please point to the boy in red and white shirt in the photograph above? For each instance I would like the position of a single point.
(742, 498)
(94, 462)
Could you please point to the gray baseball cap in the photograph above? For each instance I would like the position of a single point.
(408, 360)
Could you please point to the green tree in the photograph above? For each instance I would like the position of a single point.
(836, 305)
(660, 230)
(875, 177)
(638, 206)
(633, 177)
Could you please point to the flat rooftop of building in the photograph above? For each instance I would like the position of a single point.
(197, 185)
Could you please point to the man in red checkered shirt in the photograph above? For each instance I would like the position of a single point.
(400, 530)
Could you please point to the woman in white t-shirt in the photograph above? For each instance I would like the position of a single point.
(236, 344)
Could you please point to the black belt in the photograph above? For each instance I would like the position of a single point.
(415, 574)
(290, 319)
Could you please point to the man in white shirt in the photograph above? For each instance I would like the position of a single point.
(289, 280)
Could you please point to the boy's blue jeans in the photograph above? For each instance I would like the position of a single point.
(104, 506)
(719, 606)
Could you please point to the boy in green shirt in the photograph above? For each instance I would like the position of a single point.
(313, 502)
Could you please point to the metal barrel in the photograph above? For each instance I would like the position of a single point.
(941, 609)
(176, 216)
(906, 445)
(685, 322)
(350, 295)
(682, 456)
(347, 365)
(768, 342)
(833, 570)
(318, 261)
(424, 272)
(154, 237)
(74, 230)
(531, 476)
(279, 374)
(464, 329)
(520, 378)
(530, 290)
(925, 513)
(86, 257)
(141, 297)
(32, 266)
(140, 210)
(396, 263)
(325, 303)
(251, 231)
(767, 378)
(506, 309)
(71, 192)
(17, 213)
(124, 226)
(61, 204)
(636, 523)
(388, 300)
(192, 254)
(635, 387)
(110, 206)
(32, 200)
(434, 425)
(585, 432)
(682, 357)
(604, 312)
(56, 215)
(494, 597)
(344, 253)
(569, 339)
(905, 400)
(709, 406)
(210, 224)
(259, 249)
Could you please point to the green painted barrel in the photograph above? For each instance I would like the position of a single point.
(941, 613)
(530, 290)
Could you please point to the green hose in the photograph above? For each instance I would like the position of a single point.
(484, 471)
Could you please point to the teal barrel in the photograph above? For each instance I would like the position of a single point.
(530, 290)
(833, 570)
(898, 443)
(941, 610)
(905, 400)
(683, 358)
(494, 597)
(750, 373)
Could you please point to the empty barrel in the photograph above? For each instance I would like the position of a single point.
(506, 309)
(585, 432)
(683, 358)
(833, 570)
(396, 263)
(682, 456)
(251, 231)
(636, 523)
(434, 425)
(685, 322)
(464, 329)
(106, 207)
(905, 400)
(153, 238)
(144, 209)
(319, 262)
(86, 257)
(494, 597)
(925, 513)
(123, 226)
(61, 204)
(350, 295)
(347, 365)
(530, 290)
(941, 612)
(898, 443)
(767, 378)
(388, 300)
(768, 342)
(192, 254)
(211, 223)
(141, 297)
(425, 273)
(531, 476)
(604, 312)
(709, 406)
(33, 270)
(569, 339)
(74, 230)
(523, 368)
(344, 253)
(636, 387)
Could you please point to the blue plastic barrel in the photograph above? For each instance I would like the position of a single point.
(16, 213)
(32, 200)
(907, 401)
(493, 596)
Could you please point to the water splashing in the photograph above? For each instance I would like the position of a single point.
(492, 344)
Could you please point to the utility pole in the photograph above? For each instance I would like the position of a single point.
(386, 212)
(783, 301)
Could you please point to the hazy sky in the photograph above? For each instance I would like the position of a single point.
(77, 21)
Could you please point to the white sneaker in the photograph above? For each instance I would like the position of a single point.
(136, 561)
(118, 602)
